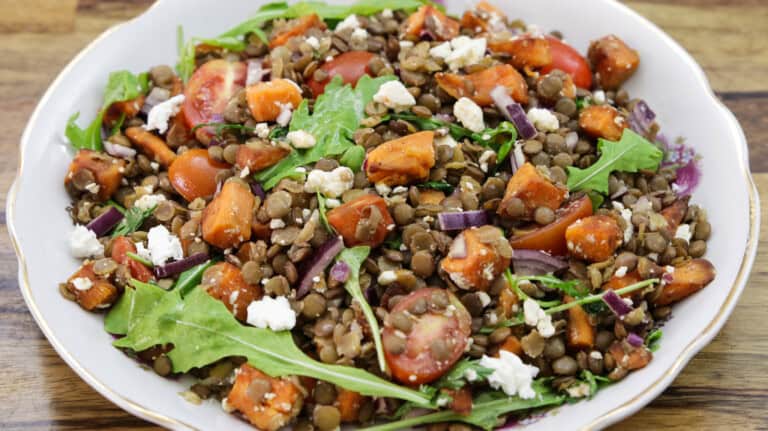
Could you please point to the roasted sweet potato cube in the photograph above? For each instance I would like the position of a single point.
(266, 100)
(90, 291)
(151, 145)
(483, 82)
(581, 333)
(507, 301)
(620, 282)
(268, 403)
(526, 51)
(481, 18)
(477, 257)
(362, 221)
(602, 121)
(257, 155)
(227, 219)
(675, 213)
(630, 357)
(613, 61)
(297, 27)
(511, 344)
(120, 248)
(594, 238)
(126, 109)
(685, 280)
(533, 189)
(429, 19)
(402, 161)
(104, 171)
(348, 403)
(225, 282)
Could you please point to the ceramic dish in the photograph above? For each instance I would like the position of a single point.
(669, 80)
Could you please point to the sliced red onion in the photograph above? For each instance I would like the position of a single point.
(518, 157)
(458, 248)
(616, 303)
(340, 272)
(641, 118)
(179, 266)
(635, 340)
(155, 97)
(256, 72)
(258, 190)
(118, 150)
(513, 112)
(320, 260)
(536, 262)
(105, 222)
(462, 220)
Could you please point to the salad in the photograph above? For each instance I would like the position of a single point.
(385, 216)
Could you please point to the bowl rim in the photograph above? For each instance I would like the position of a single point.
(629, 407)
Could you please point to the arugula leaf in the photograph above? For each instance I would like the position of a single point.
(353, 158)
(139, 259)
(203, 331)
(630, 154)
(596, 198)
(84, 139)
(569, 287)
(457, 377)
(190, 278)
(594, 382)
(437, 185)
(487, 410)
(134, 218)
(278, 132)
(456, 131)
(336, 116)
(131, 307)
(322, 208)
(653, 340)
(394, 243)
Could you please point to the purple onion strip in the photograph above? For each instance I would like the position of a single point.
(635, 340)
(105, 222)
(616, 303)
(320, 260)
(513, 112)
(179, 266)
(536, 262)
(258, 190)
(340, 272)
(462, 220)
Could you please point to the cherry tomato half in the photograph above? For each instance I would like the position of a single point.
(350, 65)
(208, 92)
(193, 174)
(551, 238)
(567, 59)
(436, 327)
(120, 248)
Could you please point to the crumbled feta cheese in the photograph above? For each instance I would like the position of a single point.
(543, 119)
(313, 42)
(286, 111)
(162, 245)
(155, 166)
(465, 52)
(261, 130)
(599, 96)
(579, 390)
(400, 189)
(387, 13)
(92, 188)
(301, 139)
(276, 223)
(273, 313)
(621, 271)
(142, 251)
(160, 114)
(350, 22)
(485, 158)
(535, 316)
(148, 201)
(387, 277)
(332, 203)
(510, 374)
(83, 243)
(469, 114)
(405, 44)
(684, 232)
(446, 140)
(332, 184)
(441, 51)
(485, 300)
(626, 214)
(359, 35)
(382, 189)
(470, 375)
(82, 283)
(394, 95)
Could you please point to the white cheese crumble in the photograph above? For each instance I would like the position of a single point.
(626, 214)
(301, 139)
(273, 313)
(599, 96)
(332, 184)
(83, 243)
(387, 13)
(405, 44)
(485, 300)
(462, 51)
(394, 95)
(621, 272)
(543, 119)
(286, 111)
(510, 374)
(313, 42)
(446, 140)
(82, 283)
(441, 51)
(684, 232)
(261, 130)
(148, 201)
(535, 316)
(162, 245)
(350, 22)
(469, 114)
(470, 375)
(93, 188)
(387, 277)
(382, 189)
(160, 114)
(485, 158)
(359, 35)
(276, 223)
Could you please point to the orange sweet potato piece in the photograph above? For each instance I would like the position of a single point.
(551, 238)
(430, 18)
(630, 357)
(477, 257)
(120, 247)
(225, 282)
(530, 186)
(402, 161)
(107, 171)
(483, 82)
(297, 28)
(257, 155)
(675, 213)
(346, 217)
(581, 333)
(685, 280)
(478, 19)
(151, 145)
(268, 413)
(227, 219)
(526, 51)
(348, 403)
(614, 62)
(461, 399)
(102, 294)
(267, 99)
(602, 121)
(616, 283)
(594, 238)
(507, 301)
(127, 108)
(511, 344)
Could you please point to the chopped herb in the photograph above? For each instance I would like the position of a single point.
(117, 206)
(437, 185)
(322, 208)
(353, 158)
(133, 220)
(220, 128)
(139, 259)
(394, 243)
(596, 198)
(278, 133)
(653, 340)
(191, 278)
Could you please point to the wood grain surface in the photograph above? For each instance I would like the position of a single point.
(724, 387)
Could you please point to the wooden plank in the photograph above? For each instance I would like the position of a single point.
(49, 16)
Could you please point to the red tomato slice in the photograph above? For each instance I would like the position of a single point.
(567, 59)
(350, 65)
(209, 90)
(436, 339)
(193, 174)
(551, 238)
(120, 247)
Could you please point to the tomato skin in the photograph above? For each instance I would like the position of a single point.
(567, 59)
(551, 238)
(208, 92)
(416, 364)
(120, 247)
(351, 66)
(193, 174)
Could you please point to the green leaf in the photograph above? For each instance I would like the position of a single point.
(456, 377)
(354, 258)
(121, 86)
(594, 382)
(134, 218)
(322, 208)
(117, 206)
(190, 278)
(84, 139)
(203, 331)
(353, 158)
(631, 154)
(219, 128)
(436, 185)
(118, 125)
(394, 243)
(596, 198)
(572, 288)
(336, 116)
(456, 131)
(653, 340)
(139, 259)
(132, 305)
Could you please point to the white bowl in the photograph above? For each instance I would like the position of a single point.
(672, 83)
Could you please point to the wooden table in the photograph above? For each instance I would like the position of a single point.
(725, 386)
